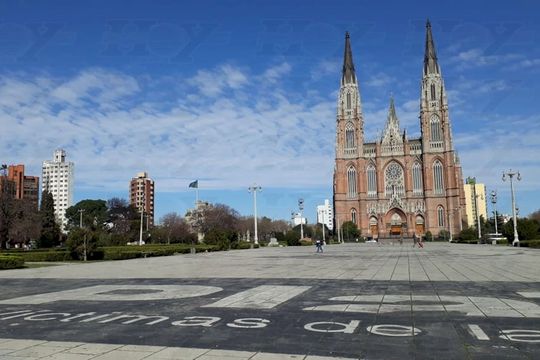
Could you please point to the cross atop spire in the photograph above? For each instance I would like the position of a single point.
(349, 75)
(430, 56)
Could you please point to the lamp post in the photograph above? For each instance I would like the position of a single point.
(510, 174)
(478, 225)
(493, 196)
(323, 213)
(84, 237)
(253, 189)
(301, 207)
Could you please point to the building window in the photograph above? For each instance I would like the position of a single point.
(433, 96)
(350, 142)
(435, 125)
(394, 180)
(440, 216)
(348, 100)
(438, 183)
(353, 215)
(418, 187)
(351, 182)
(371, 181)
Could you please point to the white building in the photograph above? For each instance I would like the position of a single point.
(57, 177)
(325, 215)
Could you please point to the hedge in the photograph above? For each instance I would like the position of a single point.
(11, 262)
(530, 243)
(134, 251)
(38, 255)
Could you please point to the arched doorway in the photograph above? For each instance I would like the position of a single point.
(395, 222)
(419, 225)
(373, 226)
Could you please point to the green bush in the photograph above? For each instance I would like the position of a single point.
(530, 243)
(241, 245)
(428, 236)
(42, 256)
(306, 242)
(11, 262)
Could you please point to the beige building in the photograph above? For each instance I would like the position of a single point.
(396, 185)
(58, 178)
(141, 196)
(475, 201)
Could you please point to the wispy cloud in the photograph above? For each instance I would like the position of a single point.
(476, 57)
(111, 131)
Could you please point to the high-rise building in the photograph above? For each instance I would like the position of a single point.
(58, 178)
(325, 214)
(397, 185)
(26, 187)
(141, 196)
(475, 201)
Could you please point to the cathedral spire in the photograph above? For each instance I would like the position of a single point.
(349, 75)
(430, 56)
(391, 134)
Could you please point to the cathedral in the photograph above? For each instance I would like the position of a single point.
(398, 186)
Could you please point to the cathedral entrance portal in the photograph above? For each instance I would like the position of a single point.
(374, 226)
(396, 223)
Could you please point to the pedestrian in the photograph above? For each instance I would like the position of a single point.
(414, 240)
(420, 243)
(319, 246)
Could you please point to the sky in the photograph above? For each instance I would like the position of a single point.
(235, 92)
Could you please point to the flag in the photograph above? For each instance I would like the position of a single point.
(194, 184)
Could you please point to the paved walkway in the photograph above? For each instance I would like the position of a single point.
(435, 262)
(354, 301)
(17, 349)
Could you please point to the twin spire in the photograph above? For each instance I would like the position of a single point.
(430, 56)
(431, 65)
(349, 75)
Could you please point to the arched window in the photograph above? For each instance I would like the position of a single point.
(350, 142)
(371, 181)
(438, 183)
(435, 125)
(440, 216)
(353, 215)
(433, 95)
(418, 187)
(393, 180)
(351, 182)
(348, 100)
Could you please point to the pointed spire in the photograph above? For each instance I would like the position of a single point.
(349, 75)
(392, 110)
(430, 56)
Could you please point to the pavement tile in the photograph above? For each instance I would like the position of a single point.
(68, 356)
(37, 351)
(17, 344)
(93, 349)
(269, 356)
(122, 355)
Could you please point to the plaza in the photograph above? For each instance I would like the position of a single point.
(354, 301)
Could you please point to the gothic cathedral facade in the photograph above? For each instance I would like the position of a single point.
(398, 186)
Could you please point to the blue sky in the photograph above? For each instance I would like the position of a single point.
(236, 92)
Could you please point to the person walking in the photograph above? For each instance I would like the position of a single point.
(414, 238)
(319, 246)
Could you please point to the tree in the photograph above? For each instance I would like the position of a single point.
(527, 229)
(535, 215)
(123, 222)
(7, 195)
(221, 217)
(94, 214)
(175, 229)
(26, 224)
(350, 231)
(79, 239)
(50, 231)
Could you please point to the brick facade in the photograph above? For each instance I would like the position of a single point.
(398, 186)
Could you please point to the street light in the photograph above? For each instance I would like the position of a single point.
(301, 207)
(476, 196)
(84, 236)
(493, 196)
(253, 189)
(511, 175)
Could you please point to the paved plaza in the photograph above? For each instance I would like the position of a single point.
(354, 301)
